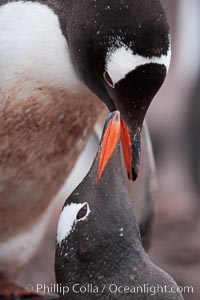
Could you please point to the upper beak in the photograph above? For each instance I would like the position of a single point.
(131, 127)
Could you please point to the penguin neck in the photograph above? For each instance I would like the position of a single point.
(66, 11)
(79, 23)
(62, 9)
(113, 193)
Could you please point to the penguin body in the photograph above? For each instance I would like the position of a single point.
(98, 240)
(44, 125)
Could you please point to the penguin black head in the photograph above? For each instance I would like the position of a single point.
(121, 50)
(98, 240)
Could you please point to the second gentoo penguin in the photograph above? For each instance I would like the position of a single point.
(51, 52)
(99, 248)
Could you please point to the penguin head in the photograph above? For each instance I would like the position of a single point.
(123, 56)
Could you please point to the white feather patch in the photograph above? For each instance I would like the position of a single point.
(68, 220)
(121, 61)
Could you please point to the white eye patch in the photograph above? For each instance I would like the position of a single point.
(121, 61)
(69, 217)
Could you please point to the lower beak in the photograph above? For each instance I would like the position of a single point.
(109, 141)
(131, 149)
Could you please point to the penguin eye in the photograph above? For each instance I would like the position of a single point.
(71, 214)
(82, 212)
(108, 79)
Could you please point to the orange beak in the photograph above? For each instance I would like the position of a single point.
(110, 138)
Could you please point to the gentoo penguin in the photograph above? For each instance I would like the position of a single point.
(99, 251)
(51, 52)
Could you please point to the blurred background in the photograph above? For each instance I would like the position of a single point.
(174, 120)
(174, 123)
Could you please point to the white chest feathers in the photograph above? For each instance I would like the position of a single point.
(32, 45)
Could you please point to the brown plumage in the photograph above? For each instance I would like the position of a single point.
(41, 138)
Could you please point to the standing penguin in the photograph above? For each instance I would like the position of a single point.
(98, 241)
(51, 52)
